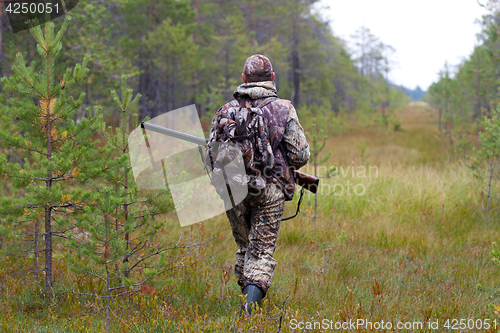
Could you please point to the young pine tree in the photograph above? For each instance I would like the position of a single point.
(135, 216)
(98, 255)
(43, 188)
(487, 164)
(121, 251)
(316, 147)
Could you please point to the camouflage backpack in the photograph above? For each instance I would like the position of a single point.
(240, 134)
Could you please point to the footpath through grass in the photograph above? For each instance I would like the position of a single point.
(403, 242)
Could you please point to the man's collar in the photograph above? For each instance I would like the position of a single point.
(256, 90)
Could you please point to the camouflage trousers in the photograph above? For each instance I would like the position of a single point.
(255, 224)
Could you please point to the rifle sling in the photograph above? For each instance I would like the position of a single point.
(298, 205)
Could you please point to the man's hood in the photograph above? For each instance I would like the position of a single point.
(256, 90)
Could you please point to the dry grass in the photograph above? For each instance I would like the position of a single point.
(411, 248)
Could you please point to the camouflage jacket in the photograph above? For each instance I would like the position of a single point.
(287, 138)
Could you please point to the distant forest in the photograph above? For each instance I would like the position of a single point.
(179, 52)
(415, 94)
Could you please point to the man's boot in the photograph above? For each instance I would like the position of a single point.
(254, 295)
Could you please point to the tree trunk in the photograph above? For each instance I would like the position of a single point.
(478, 87)
(108, 298)
(490, 178)
(48, 183)
(152, 14)
(125, 185)
(35, 251)
(196, 18)
(196, 86)
(295, 62)
(48, 249)
(439, 119)
(250, 23)
(388, 90)
(315, 194)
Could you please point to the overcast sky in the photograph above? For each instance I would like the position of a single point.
(425, 33)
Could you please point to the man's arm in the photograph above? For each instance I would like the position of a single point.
(294, 141)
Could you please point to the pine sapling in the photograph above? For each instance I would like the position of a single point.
(121, 252)
(486, 163)
(315, 149)
(44, 187)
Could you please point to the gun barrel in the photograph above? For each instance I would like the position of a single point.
(175, 134)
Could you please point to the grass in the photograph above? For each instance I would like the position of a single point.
(412, 247)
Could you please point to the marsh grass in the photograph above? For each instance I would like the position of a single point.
(412, 247)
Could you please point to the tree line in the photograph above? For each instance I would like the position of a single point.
(184, 52)
(464, 94)
(466, 98)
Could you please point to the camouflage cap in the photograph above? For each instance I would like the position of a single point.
(258, 65)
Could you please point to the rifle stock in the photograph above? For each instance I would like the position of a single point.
(309, 182)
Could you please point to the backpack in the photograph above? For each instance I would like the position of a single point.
(239, 151)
